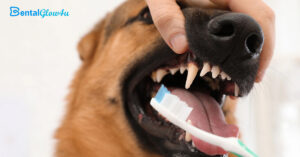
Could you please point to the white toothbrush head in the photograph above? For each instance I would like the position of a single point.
(172, 104)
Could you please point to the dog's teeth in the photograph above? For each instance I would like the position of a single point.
(160, 73)
(182, 69)
(188, 136)
(173, 70)
(236, 90)
(223, 75)
(228, 78)
(215, 70)
(192, 72)
(206, 68)
(181, 137)
(153, 76)
(193, 144)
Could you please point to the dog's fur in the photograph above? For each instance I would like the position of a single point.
(95, 123)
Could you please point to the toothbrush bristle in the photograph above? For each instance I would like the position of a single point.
(161, 93)
(172, 103)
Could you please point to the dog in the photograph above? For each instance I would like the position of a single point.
(125, 60)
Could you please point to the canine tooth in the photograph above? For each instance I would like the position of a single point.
(188, 136)
(215, 70)
(193, 144)
(206, 68)
(236, 90)
(182, 69)
(160, 73)
(223, 75)
(192, 72)
(174, 70)
(153, 76)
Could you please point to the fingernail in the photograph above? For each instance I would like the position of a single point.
(179, 43)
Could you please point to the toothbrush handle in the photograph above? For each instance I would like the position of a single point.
(230, 144)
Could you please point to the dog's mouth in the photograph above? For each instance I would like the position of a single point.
(199, 83)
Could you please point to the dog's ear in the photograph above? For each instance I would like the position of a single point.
(89, 43)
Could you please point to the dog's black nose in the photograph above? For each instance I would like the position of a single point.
(223, 37)
(232, 41)
(238, 29)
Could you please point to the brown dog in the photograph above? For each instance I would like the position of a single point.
(124, 60)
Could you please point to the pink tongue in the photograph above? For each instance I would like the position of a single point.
(206, 115)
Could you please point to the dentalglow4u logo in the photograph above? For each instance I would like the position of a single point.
(16, 11)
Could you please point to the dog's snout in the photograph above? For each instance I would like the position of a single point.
(235, 28)
(223, 37)
(238, 29)
(232, 41)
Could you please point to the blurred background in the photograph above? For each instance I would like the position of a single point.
(38, 59)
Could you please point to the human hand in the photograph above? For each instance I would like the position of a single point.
(169, 21)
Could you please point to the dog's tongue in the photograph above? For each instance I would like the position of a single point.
(206, 115)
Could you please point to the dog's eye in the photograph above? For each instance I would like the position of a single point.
(145, 16)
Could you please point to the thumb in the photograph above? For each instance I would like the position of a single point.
(169, 20)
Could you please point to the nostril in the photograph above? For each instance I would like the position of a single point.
(225, 30)
(221, 28)
(253, 43)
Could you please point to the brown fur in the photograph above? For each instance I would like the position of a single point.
(95, 123)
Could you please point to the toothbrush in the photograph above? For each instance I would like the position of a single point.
(177, 111)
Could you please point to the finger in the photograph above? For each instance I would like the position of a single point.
(268, 49)
(202, 4)
(169, 20)
(266, 19)
(223, 3)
